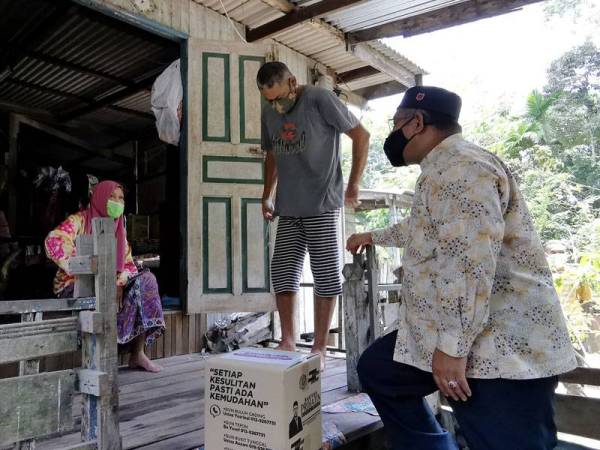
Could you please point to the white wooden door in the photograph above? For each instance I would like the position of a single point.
(228, 240)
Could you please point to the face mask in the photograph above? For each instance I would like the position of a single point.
(285, 104)
(395, 144)
(115, 209)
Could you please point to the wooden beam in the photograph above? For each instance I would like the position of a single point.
(297, 16)
(356, 74)
(45, 305)
(83, 146)
(92, 104)
(144, 83)
(282, 5)
(450, 16)
(582, 375)
(78, 68)
(14, 51)
(378, 60)
(132, 112)
(577, 415)
(381, 90)
(13, 169)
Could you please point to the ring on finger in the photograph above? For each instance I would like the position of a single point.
(452, 384)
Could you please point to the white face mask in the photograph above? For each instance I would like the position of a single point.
(285, 104)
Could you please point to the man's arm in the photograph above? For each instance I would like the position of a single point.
(269, 186)
(360, 152)
(465, 202)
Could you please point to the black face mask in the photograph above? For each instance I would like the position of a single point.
(395, 144)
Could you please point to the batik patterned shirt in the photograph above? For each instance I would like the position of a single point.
(476, 281)
(60, 246)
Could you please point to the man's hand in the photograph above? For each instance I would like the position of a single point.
(351, 196)
(358, 242)
(449, 375)
(268, 209)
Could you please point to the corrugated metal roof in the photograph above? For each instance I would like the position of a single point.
(316, 39)
(64, 57)
(378, 12)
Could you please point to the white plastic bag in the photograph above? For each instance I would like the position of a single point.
(166, 100)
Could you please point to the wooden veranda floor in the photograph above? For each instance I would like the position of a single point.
(166, 410)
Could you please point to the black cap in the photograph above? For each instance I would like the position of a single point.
(434, 99)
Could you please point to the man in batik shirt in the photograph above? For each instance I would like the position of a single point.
(480, 320)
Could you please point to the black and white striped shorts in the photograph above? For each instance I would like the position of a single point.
(318, 235)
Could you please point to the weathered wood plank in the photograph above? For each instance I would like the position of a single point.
(167, 335)
(46, 305)
(92, 445)
(578, 415)
(582, 375)
(92, 382)
(29, 367)
(84, 284)
(356, 318)
(372, 276)
(34, 340)
(83, 265)
(91, 322)
(36, 405)
(100, 417)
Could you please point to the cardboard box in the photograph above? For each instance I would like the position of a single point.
(263, 399)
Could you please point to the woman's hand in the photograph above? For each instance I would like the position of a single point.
(358, 242)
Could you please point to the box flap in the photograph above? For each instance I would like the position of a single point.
(267, 356)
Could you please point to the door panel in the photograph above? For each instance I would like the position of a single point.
(229, 247)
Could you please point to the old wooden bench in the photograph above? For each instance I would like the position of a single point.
(34, 405)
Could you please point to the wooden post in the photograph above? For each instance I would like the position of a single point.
(84, 284)
(100, 415)
(356, 318)
(13, 170)
(372, 275)
(29, 367)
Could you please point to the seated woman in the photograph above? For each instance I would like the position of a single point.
(140, 318)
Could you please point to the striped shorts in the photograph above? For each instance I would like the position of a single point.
(318, 235)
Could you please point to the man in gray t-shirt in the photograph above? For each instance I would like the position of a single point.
(301, 135)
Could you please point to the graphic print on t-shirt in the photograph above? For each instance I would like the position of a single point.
(288, 141)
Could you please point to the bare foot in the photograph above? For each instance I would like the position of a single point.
(141, 361)
(286, 346)
(322, 352)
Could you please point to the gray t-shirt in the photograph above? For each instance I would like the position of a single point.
(306, 144)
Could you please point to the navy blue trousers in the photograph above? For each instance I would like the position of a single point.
(501, 414)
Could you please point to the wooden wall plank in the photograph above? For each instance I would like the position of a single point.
(167, 335)
(178, 335)
(185, 333)
(36, 405)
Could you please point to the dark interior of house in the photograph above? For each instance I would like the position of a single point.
(75, 108)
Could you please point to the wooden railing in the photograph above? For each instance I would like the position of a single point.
(575, 414)
(34, 405)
